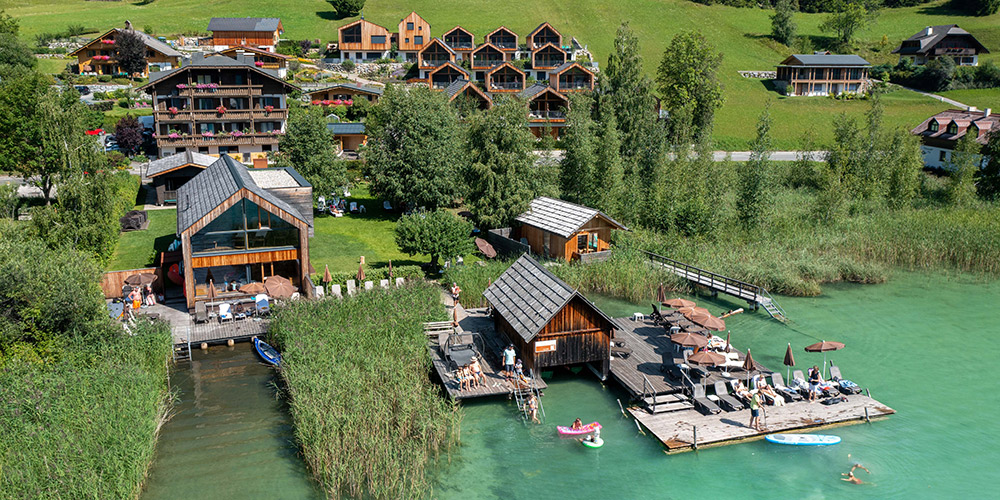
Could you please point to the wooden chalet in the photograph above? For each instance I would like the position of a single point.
(549, 323)
(171, 172)
(219, 105)
(98, 56)
(547, 58)
(261, 58)
(446, 74)
(546, 108)
(543, 35)
(434, 54)
(414, 33)
(263, 32)
(345, 92)
(363, 40)
(562, 230)
(239, 225)
(464, 89)
(948, 40)
(460, 40)
(486, 57)
(822, 74)
(571, 77)
(348, 136)
(505, 78)
(503, 39)
(940, 133)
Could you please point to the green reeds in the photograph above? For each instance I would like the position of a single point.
(473, 279)
(368, 417)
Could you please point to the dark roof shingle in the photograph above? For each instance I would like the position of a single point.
(826, 60)
(346, 128)
(560, 217)
(244, 24)
(173, 161)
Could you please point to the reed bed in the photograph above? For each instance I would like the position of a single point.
(85, 426)
(474, 279)
(369, 420)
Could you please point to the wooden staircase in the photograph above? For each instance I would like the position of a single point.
(663, 402)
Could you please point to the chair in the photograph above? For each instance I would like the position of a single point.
(354, 206)
(262, 304)
(799, 382)
(728, 402)
(225, 312)
(386, 205)
(702, 403)
(843, 385)
(200, 312)
(779, 385)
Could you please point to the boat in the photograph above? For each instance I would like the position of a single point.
(596, 443)
(587, 429)
(268, 353)
(803, 439)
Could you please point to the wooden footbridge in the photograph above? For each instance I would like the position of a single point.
(754, 295)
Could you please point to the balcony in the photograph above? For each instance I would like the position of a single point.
(540, 115)
(486, 62)
(217, 140)
(219, 90)
(507, 86)
(212, 115)
(954, 51)
(433, 62)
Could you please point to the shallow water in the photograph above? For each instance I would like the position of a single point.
(900, 336)
(230, 437)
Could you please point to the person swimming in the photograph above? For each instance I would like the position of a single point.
(850, 477)
(577, 425)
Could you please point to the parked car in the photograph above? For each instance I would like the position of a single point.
(82, 89)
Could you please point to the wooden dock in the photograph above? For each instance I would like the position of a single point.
(185, 330)
(475, 320)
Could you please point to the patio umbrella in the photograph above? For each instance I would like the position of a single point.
(326, 275)
(485, 247)
(279, 287)
(789, 360)
(712, 323)
(727, 340)
(661, 295)
(688, 312)
(208, 276)
(707, 358)
(749, 365)
(823, 347)
(390, 270)
(697, 329)
(678, 302)
(211, 289)
(361, 273)
(689, 339)
(141, 279)
(253, 288)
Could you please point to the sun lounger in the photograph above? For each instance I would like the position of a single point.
(656, 315)
(261, 304)
(702, 403)
(728, 402)
(843, 385)
(225, 313)
(779, 385)
(200, 312)
(741, 396)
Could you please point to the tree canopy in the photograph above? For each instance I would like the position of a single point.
(347, 8)
(307, 146)
(438, 234)
(782, 24)
(130, 50)
(849, 18)
(128, 133)
(687, 80)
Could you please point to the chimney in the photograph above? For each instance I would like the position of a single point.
(928, 31)
(128, 25)
(987, 113)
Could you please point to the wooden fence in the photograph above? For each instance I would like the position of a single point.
(112, 281)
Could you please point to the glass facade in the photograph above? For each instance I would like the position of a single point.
(244, 226)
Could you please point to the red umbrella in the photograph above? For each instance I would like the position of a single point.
(678, 302)
(661, 295)
(823, 347)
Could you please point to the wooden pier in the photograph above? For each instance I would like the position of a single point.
(187, 332)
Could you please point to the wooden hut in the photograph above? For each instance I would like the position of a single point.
(549, 323)
(171, 172)
(246, 31)
(563, 230)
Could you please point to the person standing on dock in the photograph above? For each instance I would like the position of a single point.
(755, 411)
(455, 292)
(509, 354)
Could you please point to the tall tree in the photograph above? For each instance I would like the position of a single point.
(753, 196)
(347, 8)
(846, 151)
(130, 50)
(849, 18)
(963, 165)
(307, 145)
(782, 23)
(627, 92)
(687, 79)
(501, 164)
(14, 52)
(578, 165)
(415, 151)
(128, 134)
(9, 24)
(905, 163)
(438, 234)
(988, 179)
(609, 176)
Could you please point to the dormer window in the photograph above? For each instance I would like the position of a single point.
(952, 128)
(933, 127)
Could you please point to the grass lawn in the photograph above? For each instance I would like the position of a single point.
(136, 248)
(741, 34)
(116, 113)
(980, 98)
(53, 65)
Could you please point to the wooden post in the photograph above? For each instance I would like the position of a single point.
(695, 430)
(620, 407)
(867, 419)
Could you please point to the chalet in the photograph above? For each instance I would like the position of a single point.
(822, 74)
(543, 35)
(503, 39)
(444, 75)
(545, 58)
(562, 230)
(549, 323)
(486, 57)
(434, 54)
(939, 133)
(348, 136)
(505, 78)
(363, 41)
(239, 225)
(261, 58)
(571, 77)
(941, 41)
(464, 89)
(99, 57)
(219, 105)
(171, 172)
(414, 33)
(346, 92)
(460, 40)
(546, 108)
(260, 32)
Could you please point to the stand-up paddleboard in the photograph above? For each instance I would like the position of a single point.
(803, 439)
(597, 443)
(569, 431)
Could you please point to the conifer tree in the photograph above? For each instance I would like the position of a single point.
(581, 146)
(782, 24)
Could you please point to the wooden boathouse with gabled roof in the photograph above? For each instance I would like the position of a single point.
(563, 230)
(549, 323)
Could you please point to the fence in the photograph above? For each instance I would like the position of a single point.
(112, 281)
(503, 244)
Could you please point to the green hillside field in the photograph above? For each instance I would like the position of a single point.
(741, 34)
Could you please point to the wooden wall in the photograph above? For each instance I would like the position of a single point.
(248, 38)
(300, 198)
(112, 281)
(237, 259)
(367, 30)
(406, 37)
(331, 94)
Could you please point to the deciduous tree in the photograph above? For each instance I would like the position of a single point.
(782, 23)
(687, 79)
(579, 165)
(753, 196)
(988, 179)
(849, 18)
(307, 146)
(130, 50)
(347, 8)
(963, 165)
(128, 133)
(438, 234)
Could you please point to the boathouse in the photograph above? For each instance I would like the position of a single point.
(563, 230)
(171, 172)
(549, 323)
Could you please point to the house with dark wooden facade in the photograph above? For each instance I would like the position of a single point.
(98, 56)
(546, 108)
(261, 32)
(219, 105)
(238, 225)
(464, 89)
(413, 34)
(543, 35)
(948, 40)
(345, 92)
(348, 136)
(549, 323)
(486, 57)
(261, 58)
(546, 58)
(460, 40)
(169, 173)
(571, 77)
(503, 39)
(822, 74)
(562, 230)
(434, 54)
(446, 74)
(505, 78)
(363, 40)
(940, 133)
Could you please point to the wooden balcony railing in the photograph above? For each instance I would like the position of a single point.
(217, 140)
(221, 90)
(229, 115)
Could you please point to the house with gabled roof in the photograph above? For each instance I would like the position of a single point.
(486, 57)
(543, 35)
(348, 136)
(546, 108)
(262, 32)
(444, 75)
(240, 225)
(98, 56)
(546, 58)
(558, 229)
(346, 91)
(822, 74)
(571, 77)
(413, 35)
(460, 40)
(363, 40)
(940, 133)
(503, 39)
(263, 59)
(171, 172)
(434, 54)
(549, 323)
(505, 78)
(947, 40)
(464, 89)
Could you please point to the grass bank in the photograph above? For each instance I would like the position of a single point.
(137, 249)
(85, 426)
(369, 420)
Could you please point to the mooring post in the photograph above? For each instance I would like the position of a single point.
(695, 430)
(620, 407)
(640, 428)
(867, 419)
(868, 391)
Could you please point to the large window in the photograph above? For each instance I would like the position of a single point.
(418, 40)
(409, 26)
(378, 39)
(351, 35)
(244, 225)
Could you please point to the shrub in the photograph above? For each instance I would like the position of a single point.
(347, 8)
(408, 273)
(104, 78)
(348, 65)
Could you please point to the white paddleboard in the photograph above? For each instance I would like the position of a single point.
(803, 439)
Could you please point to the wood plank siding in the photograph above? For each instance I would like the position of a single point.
(414, 33)
(358, 36)
(239, 259)
(246, 38)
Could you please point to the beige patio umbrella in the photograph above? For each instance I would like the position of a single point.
(141, 279)
(707, 358)
(678, 303)
(823, 347)
(279, 287)
(326, 275)
(712, 323)
(689, 339)
(688, 312)
(252, 288)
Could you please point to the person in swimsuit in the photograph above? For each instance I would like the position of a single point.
(464, 378)
(477, 372)
(851, 478)
(533, 409)
(577, 425)
(814, 380)
(771, 395)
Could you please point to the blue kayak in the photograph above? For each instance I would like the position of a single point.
(268, 353)
(803, 439)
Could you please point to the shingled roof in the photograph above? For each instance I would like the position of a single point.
(346, 128)
(244, 24)
(560, 217)
(199, 60)
(350, 86)
(167, 163)
(930, 36)
(150, 41)
(215, 185)
(824, 60)
(528, 296)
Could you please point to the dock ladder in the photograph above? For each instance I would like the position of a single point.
(662, 402)
(182, 350)
(522, 393)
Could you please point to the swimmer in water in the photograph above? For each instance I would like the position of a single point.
(850, 477)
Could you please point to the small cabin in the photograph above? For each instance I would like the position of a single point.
(261, 32)
(543, 35)
(505, 78)
(549, 323)
(413, 34)
(566, 231)
(571, 77)
(171, 172)
(348, 136)
(461, 40)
